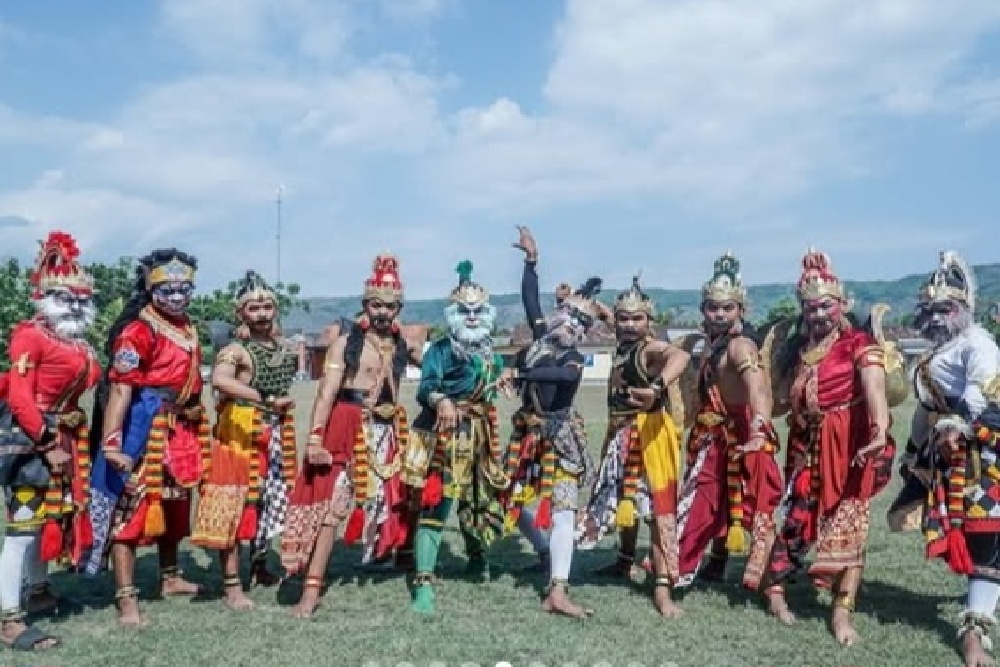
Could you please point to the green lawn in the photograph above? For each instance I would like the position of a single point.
(906, 614)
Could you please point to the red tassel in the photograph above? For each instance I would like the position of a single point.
(433, 492)
(543, 517)
(959, 559)
(247, 528)
(355, 526)
(83, 530)
(52, 541)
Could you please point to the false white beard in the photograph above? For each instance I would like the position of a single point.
(64, 320)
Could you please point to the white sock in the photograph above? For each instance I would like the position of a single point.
(562, 545)
(12, 560)
(983, 596)
(526, 524)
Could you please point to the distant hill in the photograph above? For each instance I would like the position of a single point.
(682, 305)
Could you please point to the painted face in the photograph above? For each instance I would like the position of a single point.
(470, 323)
(69, 314)
(381, 313)
(630, 327)
(822, 315)
(173, 298)
(720, 316)
(940, 321)
(259, 314)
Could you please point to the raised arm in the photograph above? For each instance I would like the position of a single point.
(529, 283)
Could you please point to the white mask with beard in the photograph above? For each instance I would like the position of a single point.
(471, 326)
(68, 314)
(941, 321)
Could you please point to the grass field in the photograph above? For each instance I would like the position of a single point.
(906, 613)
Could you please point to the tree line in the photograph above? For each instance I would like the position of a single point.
(112, 286)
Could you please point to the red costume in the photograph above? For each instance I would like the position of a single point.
(162, 356)
(830, 421)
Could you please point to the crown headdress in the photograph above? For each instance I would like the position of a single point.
(953, 279)
(726, 284)
(818, 279)
(467, 292)
(56, 267)
(174, 270)
(582, 299)
(384, 283)
(634, 300)
(253, 287)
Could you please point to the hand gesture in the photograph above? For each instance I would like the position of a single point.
(447, 416)
(641, 398)
(284, 403)
(526, 242)
(754, 444)
(119, 461)
(869, 451)
(58, 461)
(316, 455)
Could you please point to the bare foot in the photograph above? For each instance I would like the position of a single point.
(843, 628)
(13, 630)
(41, 600)
(177, 586)
(307, 604)
(236, 600)
(558, 602)
(667, 607)
(973, 652)
(128, 613)
(778, 607)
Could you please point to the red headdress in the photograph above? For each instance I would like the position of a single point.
(384, 283)
(56, 267)
(818, 279)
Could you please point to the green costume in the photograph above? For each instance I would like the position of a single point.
(463, 466)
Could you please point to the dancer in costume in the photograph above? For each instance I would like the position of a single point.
(640, 462)
(351, 470)
(952, 453)
(156, 436)
(732, 482)
(547, 458)
(839, 447)
(245, 494)
(455, 453)
(44, 452)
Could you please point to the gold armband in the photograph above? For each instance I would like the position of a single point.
(227, 357)
(873, 355)
(749, 364)
(334, 366)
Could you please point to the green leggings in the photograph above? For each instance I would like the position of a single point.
(428, 539)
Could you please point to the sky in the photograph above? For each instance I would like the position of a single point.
(629, 135)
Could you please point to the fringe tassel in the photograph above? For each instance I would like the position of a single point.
(736, 540)
(246, 530)
(433, 492)
(289, 453)
(355, 526)
(205, 440)
(51, 547)
(153, 463)
(627, 515)
(543, 517)
(361, 473)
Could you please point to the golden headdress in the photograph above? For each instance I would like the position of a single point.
(953, 279)
(468, 293)
(253, 287)
(818, 279)
(384, 283)
(175, 270)
(634, 300)
(726, 284)
(582, 300)
(56, 267)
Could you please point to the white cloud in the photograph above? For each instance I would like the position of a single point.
(717, 101)
(722, 107)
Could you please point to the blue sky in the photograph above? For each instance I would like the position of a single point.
(629, 134)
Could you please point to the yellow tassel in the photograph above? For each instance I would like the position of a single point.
(625, 517)
(509, 523)
(736, 540)
(156, 524)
